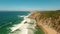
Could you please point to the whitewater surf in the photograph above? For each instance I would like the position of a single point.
(27, 26)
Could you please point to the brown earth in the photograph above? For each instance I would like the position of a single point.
(50, 25)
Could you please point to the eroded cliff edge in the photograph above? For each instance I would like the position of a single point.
(48, 21)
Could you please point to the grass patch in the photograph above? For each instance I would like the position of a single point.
(39, 30)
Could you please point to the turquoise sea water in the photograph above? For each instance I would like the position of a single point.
(10, 18)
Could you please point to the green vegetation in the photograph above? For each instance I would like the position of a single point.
(39, 30)
(50, 13)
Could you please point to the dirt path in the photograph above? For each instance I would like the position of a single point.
(47, 30)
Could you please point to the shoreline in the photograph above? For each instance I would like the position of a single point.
(14, 28)
(22, 23)
(24, 27)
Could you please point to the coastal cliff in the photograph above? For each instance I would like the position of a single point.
(49, 21)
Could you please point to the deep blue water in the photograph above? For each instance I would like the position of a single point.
(9, 18)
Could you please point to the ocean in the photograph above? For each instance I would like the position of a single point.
(10, 18)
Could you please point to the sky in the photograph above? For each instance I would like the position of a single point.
(28, 5)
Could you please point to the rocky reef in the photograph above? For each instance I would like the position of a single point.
(49, 18)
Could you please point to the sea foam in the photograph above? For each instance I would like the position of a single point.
(25, 28)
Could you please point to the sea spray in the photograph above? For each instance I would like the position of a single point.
(17, 26)
(25, 26)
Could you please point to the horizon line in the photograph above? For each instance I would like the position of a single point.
(30, 10)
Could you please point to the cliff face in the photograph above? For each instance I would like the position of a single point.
(49, 18)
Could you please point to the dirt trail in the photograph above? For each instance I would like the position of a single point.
(47, 30)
